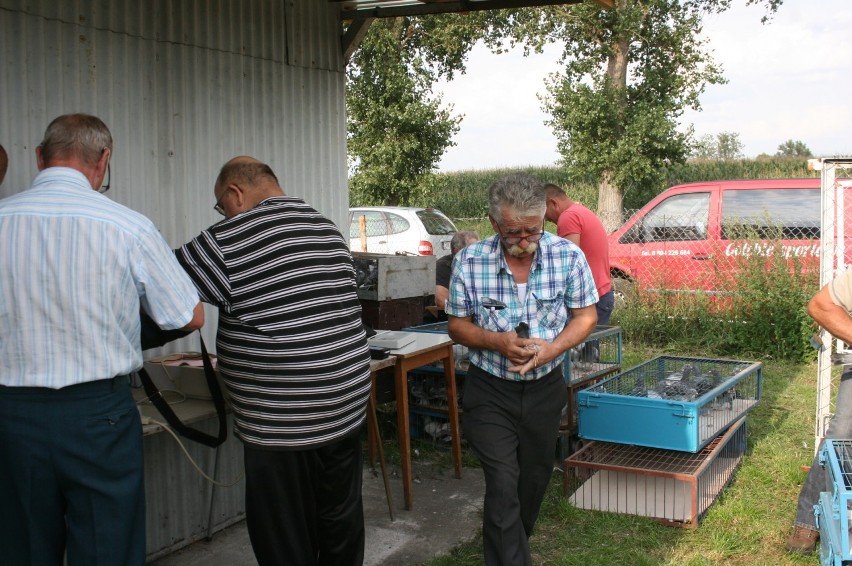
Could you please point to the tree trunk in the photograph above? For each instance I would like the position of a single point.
(610, 209)
(611, 196)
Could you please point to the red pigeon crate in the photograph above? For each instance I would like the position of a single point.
(672, 487)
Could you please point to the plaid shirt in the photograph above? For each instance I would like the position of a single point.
(559, 280)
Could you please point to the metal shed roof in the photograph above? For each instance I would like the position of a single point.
(355, 9)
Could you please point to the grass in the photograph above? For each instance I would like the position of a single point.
(751, 520)
(748, 524)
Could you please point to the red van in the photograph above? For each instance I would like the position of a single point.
(688, 238)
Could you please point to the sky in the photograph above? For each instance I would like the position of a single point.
(789, 79)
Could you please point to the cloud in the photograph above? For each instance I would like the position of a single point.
(503, 123)
(788, 79)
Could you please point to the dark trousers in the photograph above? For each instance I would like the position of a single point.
(71, 476)
(304, 507)
(512, 427)
(840, 427)
(604, 307)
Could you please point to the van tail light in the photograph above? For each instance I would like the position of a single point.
(424, 247)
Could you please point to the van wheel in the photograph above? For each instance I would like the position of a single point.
(624, 291)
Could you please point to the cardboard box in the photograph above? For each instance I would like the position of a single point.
(383, 277)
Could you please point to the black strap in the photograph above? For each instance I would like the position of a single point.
(173, 420)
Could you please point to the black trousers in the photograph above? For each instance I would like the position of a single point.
(304, 507)
(512, 427)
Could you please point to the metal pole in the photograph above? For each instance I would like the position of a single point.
(213, 494)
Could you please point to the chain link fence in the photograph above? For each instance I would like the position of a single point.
(708, 241)
(836, 256)
(400, 231)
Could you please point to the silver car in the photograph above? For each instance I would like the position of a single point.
(400, 230)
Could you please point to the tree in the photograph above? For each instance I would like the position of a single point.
(398, 130)
(791, 148)
(723, 147)
(705, 148)
(730, 146)
(630, 72)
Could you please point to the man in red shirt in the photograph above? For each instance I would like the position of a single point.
(577, 223)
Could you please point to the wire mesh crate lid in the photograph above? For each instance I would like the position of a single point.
(836, 454)
(676, 378)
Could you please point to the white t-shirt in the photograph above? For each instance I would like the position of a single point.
(840, 290)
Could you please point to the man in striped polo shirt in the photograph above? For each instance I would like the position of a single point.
(294, 357)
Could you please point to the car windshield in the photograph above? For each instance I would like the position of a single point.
(435, 223)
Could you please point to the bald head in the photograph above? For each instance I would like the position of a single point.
(244, 182)
(242, 159)
(248, 172)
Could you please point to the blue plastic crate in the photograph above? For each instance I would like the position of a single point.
(670, 402)
(835, 503)
(830, 533)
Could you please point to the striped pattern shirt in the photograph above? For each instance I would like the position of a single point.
(291, 347)
(74, 268)
(559, 280)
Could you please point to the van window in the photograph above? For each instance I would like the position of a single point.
(676, 219)
(789, 214)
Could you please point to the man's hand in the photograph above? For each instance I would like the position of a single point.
(535, 352)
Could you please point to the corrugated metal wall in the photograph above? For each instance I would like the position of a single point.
(184, 85)
(177, 498)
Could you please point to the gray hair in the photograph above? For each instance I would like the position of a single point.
(520, 192)
(80, 136)
(461, 239)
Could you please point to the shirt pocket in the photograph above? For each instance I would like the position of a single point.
(551, 311)
(494, 320)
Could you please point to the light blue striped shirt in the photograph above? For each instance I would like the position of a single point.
(74, 268)
(559, 280)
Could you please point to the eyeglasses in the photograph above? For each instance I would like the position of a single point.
(218, 206)
(105, 185)
(513, 240)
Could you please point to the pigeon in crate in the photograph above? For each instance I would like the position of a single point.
(704, 383)
(676, 390)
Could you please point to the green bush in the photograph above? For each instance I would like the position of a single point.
(762, 313)
(769, 307)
